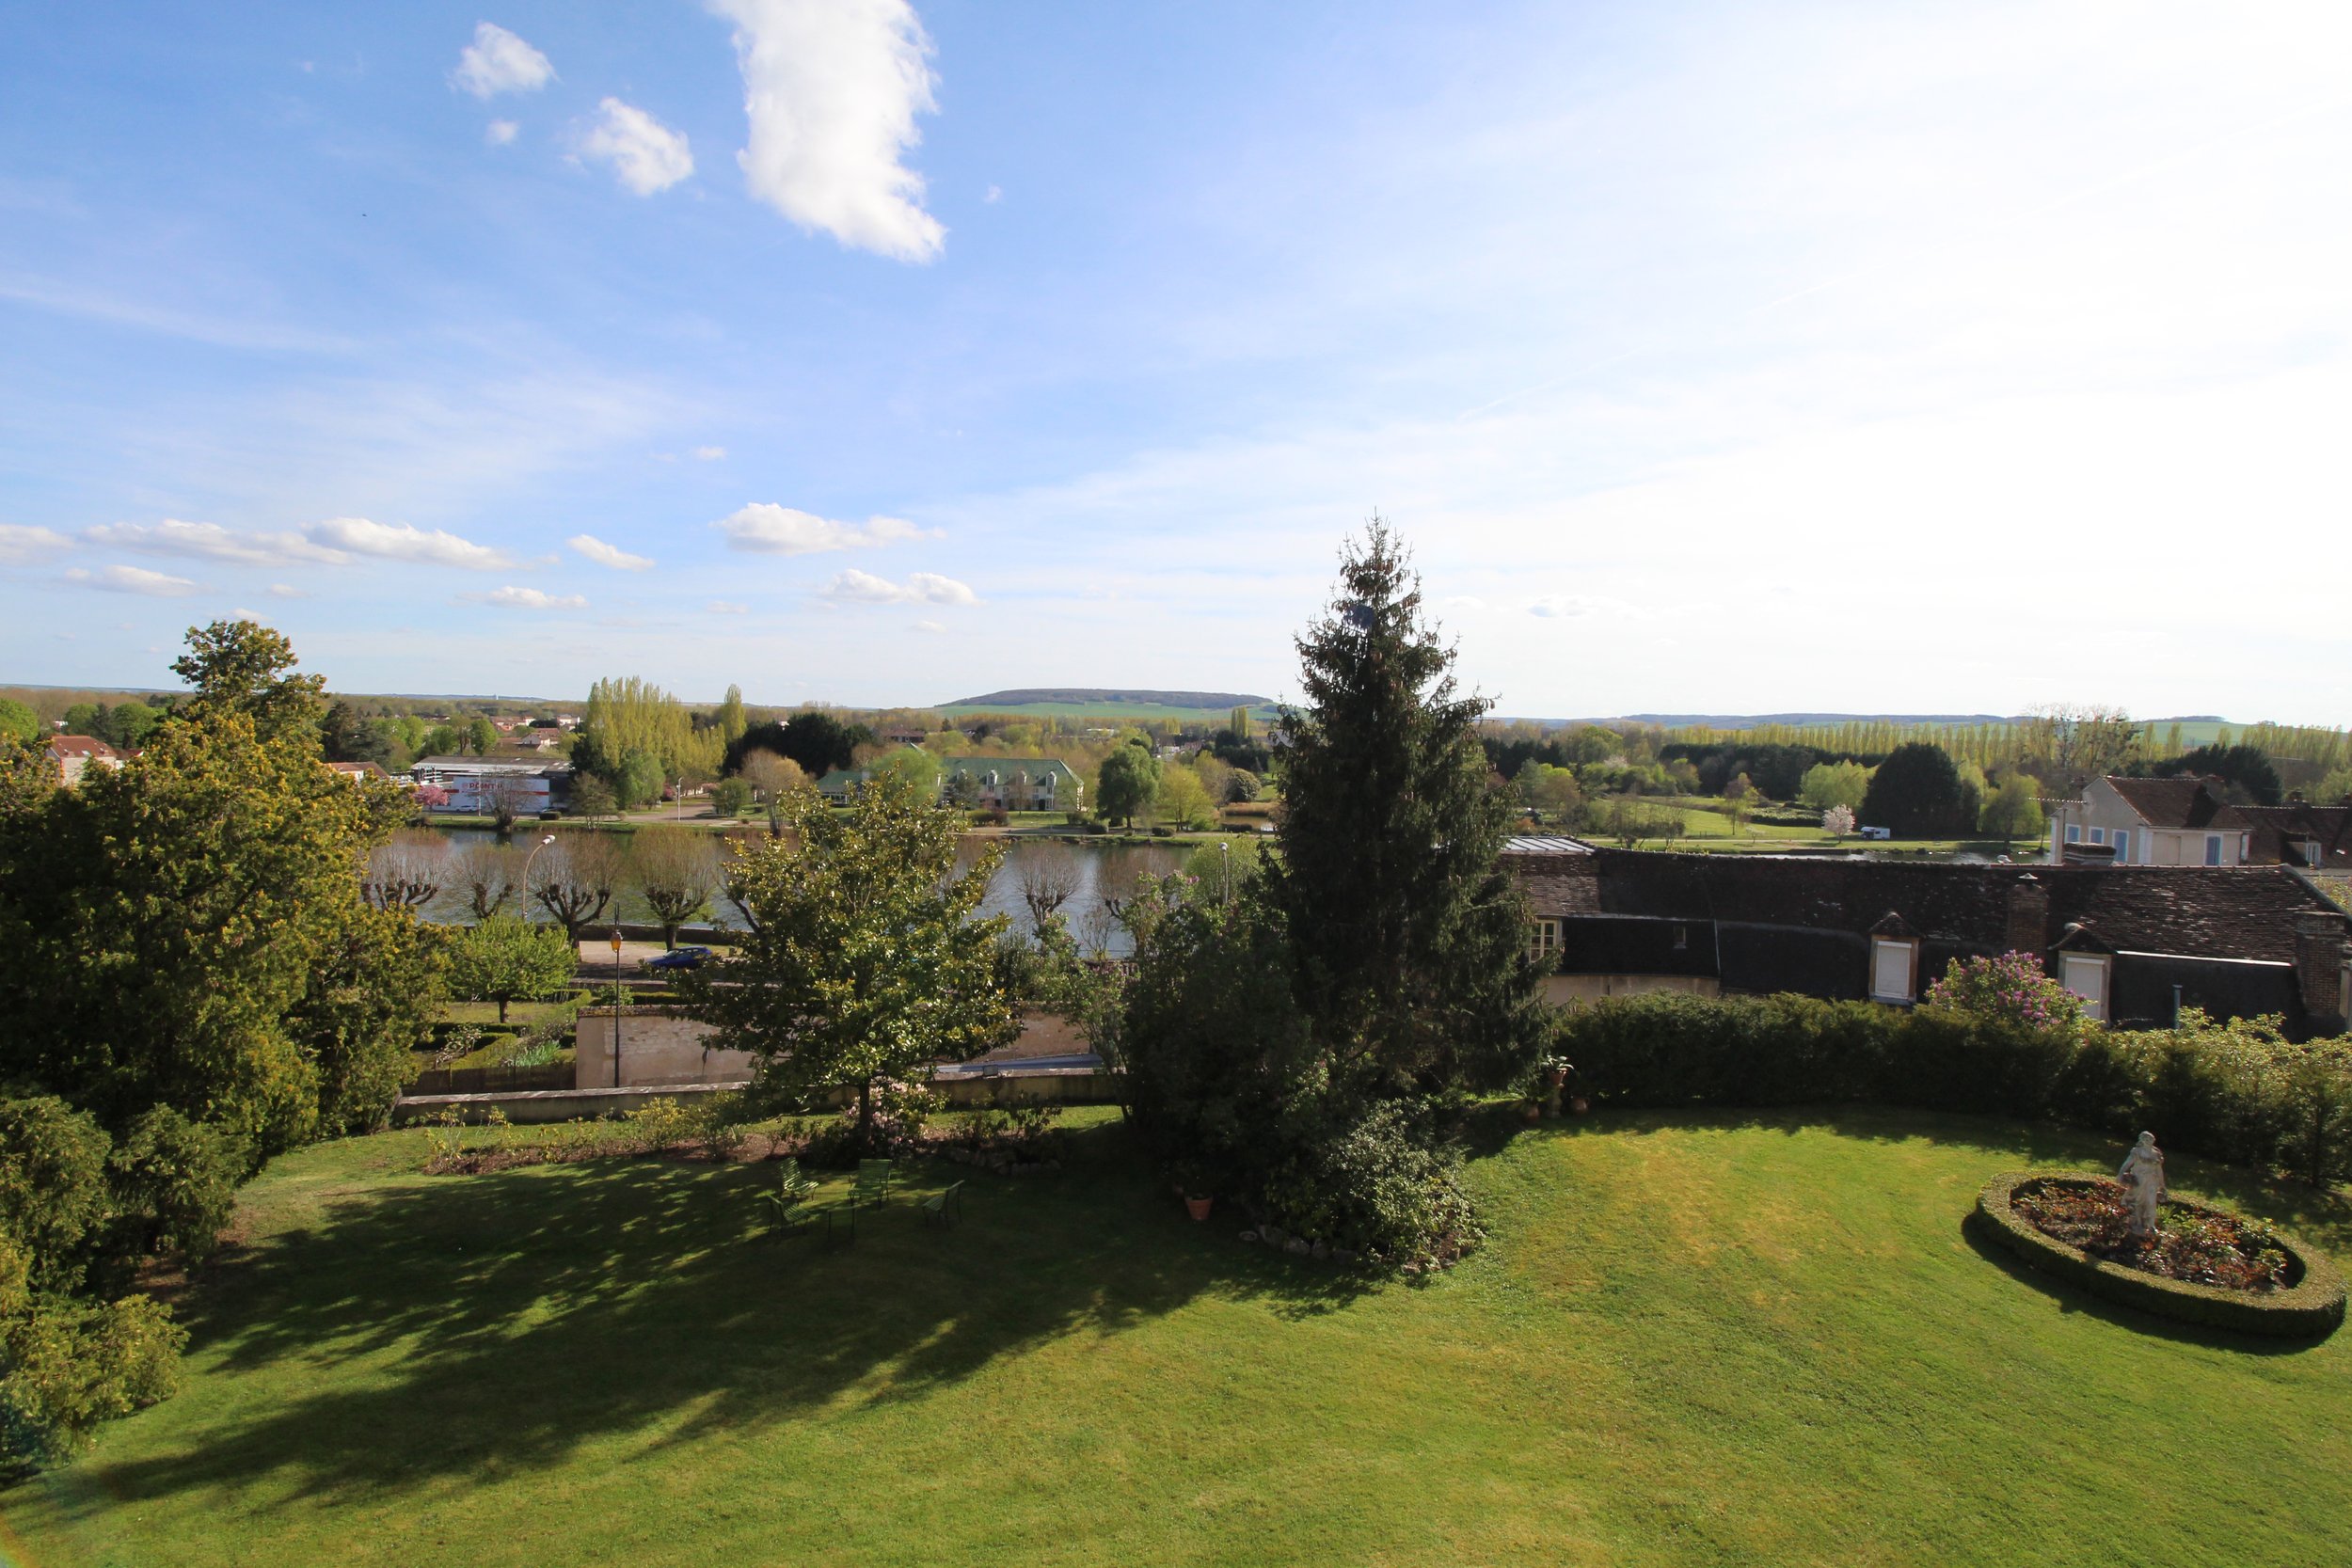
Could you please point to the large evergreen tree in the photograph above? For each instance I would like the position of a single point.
(1410, 940)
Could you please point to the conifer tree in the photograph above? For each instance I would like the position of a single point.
(1410, 940)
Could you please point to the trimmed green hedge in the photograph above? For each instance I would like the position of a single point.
(2310, 1309)
(2238, 1092)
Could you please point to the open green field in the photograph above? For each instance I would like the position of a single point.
(1698, 1339)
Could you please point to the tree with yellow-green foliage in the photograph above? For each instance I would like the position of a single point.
(195, 981)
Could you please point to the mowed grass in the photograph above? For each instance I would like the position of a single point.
(1713, 1340)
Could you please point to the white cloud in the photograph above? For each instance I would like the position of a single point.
(1468, 604)
(253, 615)
(497, 61)
(646, 155)
(26, 543)
(132, 580)
(832, 89)
(774, 529)
(932, 628)
(287, 590)
(603, 554)
(403, 541)
(526, 598)
(212, 542)
(710, 455)
(727, 607)
(1556, 605)
(499, 131)
(856, 587)
(995, 194)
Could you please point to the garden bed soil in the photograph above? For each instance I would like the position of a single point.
(2192, 1244)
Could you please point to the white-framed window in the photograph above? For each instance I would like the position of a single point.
(2086, 975)
(2212, 848)
(2098, 835)
(2074, 832)
(1894, 967)
(2122, 847)
(1547, 943)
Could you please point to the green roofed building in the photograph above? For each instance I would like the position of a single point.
(1016, 784)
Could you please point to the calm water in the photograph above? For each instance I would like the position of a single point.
(1099, 875)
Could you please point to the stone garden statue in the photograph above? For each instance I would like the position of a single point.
(2142, 1174)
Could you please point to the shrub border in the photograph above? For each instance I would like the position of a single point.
(2312, 1309)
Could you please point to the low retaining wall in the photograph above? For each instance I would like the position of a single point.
(540, 1105)
(1053, 1085)
(657, 1048)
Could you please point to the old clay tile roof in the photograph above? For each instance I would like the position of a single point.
(65, 746)
(2218, 913)
(2330, 827)
(2183, 803)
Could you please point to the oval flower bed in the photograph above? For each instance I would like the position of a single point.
(2205, 1266)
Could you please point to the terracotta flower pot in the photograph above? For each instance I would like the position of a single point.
(1534, 1112)
(1198, 1207)
(1580, 1104)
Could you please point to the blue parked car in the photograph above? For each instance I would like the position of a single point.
(680, 957)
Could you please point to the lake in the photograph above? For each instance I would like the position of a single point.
(1095, 875)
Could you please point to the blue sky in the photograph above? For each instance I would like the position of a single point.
(1713, 357)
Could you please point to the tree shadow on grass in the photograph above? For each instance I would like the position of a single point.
(509, 1318)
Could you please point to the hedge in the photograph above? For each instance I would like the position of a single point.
(2309, 1309)
(2240, 1092)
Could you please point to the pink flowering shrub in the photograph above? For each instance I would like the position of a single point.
(2011, 990)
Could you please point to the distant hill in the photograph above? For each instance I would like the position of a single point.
(1033, 696)
(1094, 702)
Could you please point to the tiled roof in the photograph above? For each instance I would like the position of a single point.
(82, 746)
(2330, 827)
(2221, 912)
(2176, 802)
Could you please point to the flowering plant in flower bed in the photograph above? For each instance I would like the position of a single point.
(2194, 1244)
(2011, 990)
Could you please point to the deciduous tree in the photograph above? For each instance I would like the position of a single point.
(865, 962)
(504, 959)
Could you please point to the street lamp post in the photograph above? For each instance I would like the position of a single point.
(545, 839)
(1225, 859)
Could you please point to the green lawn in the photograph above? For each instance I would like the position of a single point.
(1691, 1340)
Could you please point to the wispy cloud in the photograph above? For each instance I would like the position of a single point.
(221, 331)
(133, 579)
(773, 529)
(727, 607)
(499, 131)
(524, 599)
(710, 455)
(287, 590)
(603, 554)
(212, 542)
(646, 155)
(856, 587)
(929, 629)
(405, 542)
(17, 542)
(832, 89)
(497, 61)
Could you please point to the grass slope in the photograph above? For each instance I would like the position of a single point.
(1692, 1340)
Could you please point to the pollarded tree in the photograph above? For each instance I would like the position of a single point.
(864, 962)
(575, 884)
(1410, 939)
(677, 871)
(504, 959)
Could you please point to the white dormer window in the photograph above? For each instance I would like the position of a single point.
(1894, 968)
(2086, 975)
(2212, 848)
(1546, 941)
